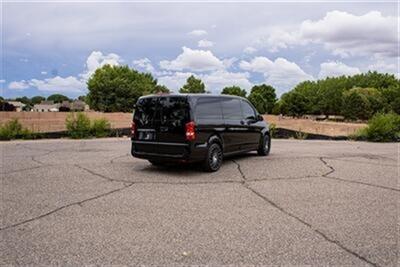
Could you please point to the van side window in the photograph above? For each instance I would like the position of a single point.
(248, 111)
(209, 108)
(231, 109)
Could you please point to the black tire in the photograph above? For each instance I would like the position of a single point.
(265, 145)
(213, 159)
(156, 163)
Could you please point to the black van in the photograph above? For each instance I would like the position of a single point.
(196, 128)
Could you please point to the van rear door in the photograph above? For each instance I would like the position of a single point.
(173, 113)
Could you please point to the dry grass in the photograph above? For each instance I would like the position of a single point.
(55, 121)
(315, 127)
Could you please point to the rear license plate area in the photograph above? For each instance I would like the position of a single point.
(146, 135)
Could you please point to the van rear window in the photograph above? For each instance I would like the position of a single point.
(145, 112)
(165, 111)
(173, 111)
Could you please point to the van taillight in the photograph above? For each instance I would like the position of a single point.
(190, 131)
(133, 129)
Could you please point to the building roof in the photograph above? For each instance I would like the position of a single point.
(17, 104)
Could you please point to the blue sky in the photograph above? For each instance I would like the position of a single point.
(54, 47)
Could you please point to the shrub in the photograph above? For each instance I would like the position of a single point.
(272, 130)
(100, 127)
(14, 130)
(381, 128)
(78, 125)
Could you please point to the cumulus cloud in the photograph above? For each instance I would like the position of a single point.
(193, 60)
(214, 81)
(2, 81)
(249, 50)
(21, 85)
(342, 33)
(144, 64)
(43, 72)
(97, 59)
(347, 34)
(383, 66)
(335, 69)
(59, 84)
(205, 43)
(198, 33)
(280, 73)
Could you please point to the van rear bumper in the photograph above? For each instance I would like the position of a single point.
(168, 151)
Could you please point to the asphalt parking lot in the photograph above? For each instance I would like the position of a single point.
(309, 203)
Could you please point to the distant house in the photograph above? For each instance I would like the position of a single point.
(46, 106)
(79, 105)
(19, 106)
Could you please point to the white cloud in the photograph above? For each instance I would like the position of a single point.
(144, 64)
(198, 33)
(2, 81)
(383, 66)
(280, 73)
(219, 79)
(342, 33)
(59, 84)
(21, 85)
(205, 43)
(347, 34)
(96, 60)
(43, 72)
(249, 50)
(335, 69)
(213, 81)
(193, 60)
(228, 62)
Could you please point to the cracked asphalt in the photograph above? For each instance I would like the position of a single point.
(66, 202)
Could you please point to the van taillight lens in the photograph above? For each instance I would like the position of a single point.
(133, 129)
(190, 131)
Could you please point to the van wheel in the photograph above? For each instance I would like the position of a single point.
(213, 160)
(265, 145)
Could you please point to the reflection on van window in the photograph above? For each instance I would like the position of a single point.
(248, 111)
(231, 109)
(145, 112)
(174, 111)
(209, 108)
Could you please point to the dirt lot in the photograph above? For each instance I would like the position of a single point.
(316, 127)
(55, 121)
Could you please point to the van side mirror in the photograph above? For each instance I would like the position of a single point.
(259, 118)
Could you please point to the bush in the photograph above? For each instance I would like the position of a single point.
(14, 130)
(78, 125)
(381, 128)
(100, 128)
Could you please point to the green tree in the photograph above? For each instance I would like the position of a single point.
(356, 105)
(263, 98)
(57, 98)
(294, 104)
(37, 99)
(117, 88)
(234, 90)
(82, 98)
(193, 86)
(160, 89)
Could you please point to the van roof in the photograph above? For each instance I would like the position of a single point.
(193, 95)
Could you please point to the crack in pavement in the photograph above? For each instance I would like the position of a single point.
(350, 181)
(288, 213)
(78, 203)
